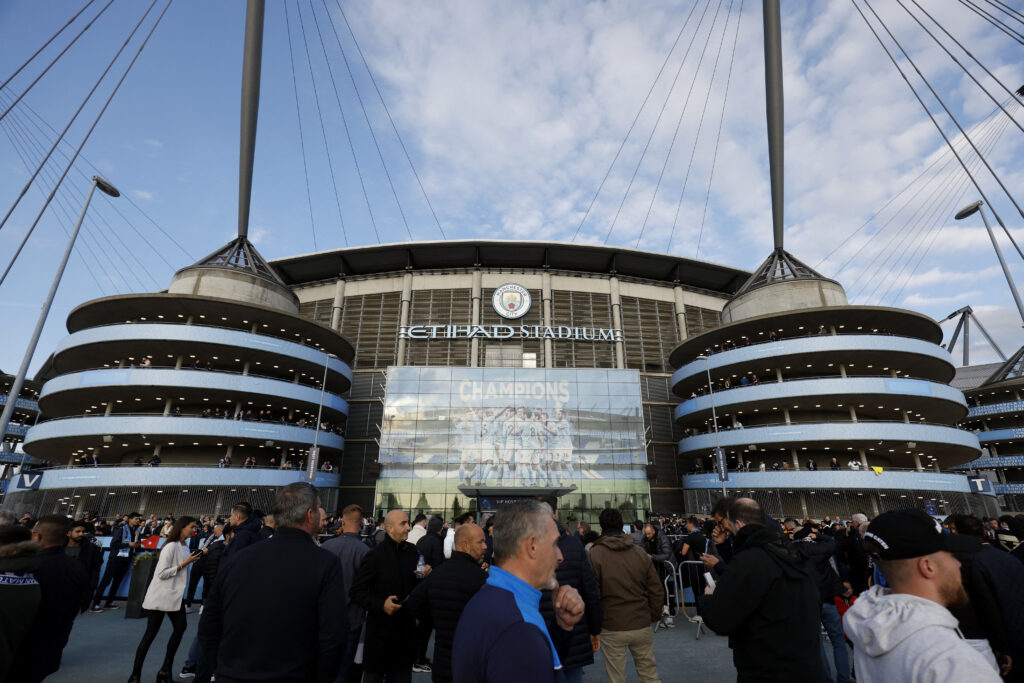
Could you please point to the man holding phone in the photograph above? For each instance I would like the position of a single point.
(124, 540)
(385, 578)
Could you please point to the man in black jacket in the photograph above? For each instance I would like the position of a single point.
(440, 598)
(64, 587)
(767, 602)
(575, 571)
(289, 583)
(386, 577)
(247, 528)
(124, 541)
(818, 550)
(81, 548)
(431, 546)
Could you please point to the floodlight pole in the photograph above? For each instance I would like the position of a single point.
(19, 379)
(714, 420)
(314, 452)
(979, 206)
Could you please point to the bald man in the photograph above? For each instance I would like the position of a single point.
(385, 579)
(441, 597)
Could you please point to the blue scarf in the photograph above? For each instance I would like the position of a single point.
(527, 600)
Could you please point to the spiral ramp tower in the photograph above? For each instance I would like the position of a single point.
(799, 376)
(173, 392)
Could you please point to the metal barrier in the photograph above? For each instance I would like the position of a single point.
(690, 575)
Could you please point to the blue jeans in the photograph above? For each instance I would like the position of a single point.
(833, 624)
(574, 675)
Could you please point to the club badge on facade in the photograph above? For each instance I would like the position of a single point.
(511, 301)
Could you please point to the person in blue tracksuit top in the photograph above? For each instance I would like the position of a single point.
(501, 634)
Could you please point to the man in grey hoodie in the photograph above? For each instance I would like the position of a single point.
(905, 633)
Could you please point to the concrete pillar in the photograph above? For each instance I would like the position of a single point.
(245, 368)
(157, 448)
(803, 505)
(874, 505)
(937, 468)
(238, 410)
(337, 305)
(892, 373)
(613, 290)
(109, 408)
(906, 416)
(178, 362)
(255, 328)
(778, 374)
(190, 320)
(545, 293)
(853, 414)
(474, 343)
(231, 449)
(842, 370)
(404, 314)
(864, 458)
(167, 407)
(917, 463)
(680, 312)
(295, 379)
(796, 458)
(785, 415)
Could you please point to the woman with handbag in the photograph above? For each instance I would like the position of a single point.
(165, 595)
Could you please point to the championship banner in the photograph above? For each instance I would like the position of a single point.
(505, 427)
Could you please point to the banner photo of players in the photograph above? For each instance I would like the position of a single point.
(513, 427)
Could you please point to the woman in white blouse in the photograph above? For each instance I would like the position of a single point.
(165, 596)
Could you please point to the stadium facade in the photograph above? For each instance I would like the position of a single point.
(995, 396)
(470, 372)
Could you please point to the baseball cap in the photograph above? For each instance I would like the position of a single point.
(902, 534)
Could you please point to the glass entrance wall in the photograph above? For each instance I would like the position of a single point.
(448, 432)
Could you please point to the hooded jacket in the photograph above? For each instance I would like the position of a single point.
(769, 604)
(20, 595)
(900, 637)
(631, 594)
(575, 571)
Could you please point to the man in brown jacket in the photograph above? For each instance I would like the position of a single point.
(631, 598)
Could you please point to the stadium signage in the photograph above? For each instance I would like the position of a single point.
(596, 334)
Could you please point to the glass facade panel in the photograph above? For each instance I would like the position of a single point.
(449, 432)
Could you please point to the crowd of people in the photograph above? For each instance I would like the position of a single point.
(521, 597)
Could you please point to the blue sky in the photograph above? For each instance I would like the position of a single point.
(511, 113)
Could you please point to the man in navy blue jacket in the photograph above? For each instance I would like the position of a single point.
(288, 584)
(502, 636)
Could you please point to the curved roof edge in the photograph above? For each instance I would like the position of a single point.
(912, 323)
(486, 253)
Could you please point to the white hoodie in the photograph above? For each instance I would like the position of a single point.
(899, 637)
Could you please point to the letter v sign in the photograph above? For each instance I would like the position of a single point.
(30, 481)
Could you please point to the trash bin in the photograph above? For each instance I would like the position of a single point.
(143, 569)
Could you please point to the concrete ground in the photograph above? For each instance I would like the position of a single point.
(102, 647)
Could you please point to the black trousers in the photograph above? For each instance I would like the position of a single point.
(117, 567)
(153, 620)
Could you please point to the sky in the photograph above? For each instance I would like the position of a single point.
(630, 124)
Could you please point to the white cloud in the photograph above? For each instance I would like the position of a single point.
(153, 143)
(145, 195)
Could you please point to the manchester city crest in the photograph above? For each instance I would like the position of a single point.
(511, 301)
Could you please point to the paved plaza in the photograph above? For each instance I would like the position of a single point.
(102, 647)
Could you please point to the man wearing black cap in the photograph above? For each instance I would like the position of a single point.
(906, 632)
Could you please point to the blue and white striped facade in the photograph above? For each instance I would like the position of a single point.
(868, 387)
(166, 393)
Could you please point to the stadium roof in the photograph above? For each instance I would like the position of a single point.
(464, 254)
